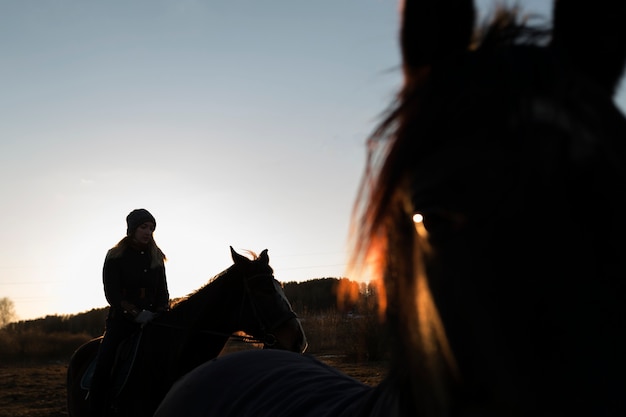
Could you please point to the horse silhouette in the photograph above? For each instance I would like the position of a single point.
(509, 298)
(245, 297)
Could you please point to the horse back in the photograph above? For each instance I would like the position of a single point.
(265, 383)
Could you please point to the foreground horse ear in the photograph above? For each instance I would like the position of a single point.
(432, 29)
(264, 256)
(592, 38)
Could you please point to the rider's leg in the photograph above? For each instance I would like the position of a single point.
(115, 332)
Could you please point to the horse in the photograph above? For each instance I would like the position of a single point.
(243, 298)
(491, 213)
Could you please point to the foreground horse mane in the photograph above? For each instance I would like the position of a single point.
(383, 214)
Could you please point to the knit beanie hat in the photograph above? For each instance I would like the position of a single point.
(136, 218)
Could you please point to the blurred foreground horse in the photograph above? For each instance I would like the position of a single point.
(509, 299)
(245, 297)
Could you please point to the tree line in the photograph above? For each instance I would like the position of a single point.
(307, 298)
(329, 321)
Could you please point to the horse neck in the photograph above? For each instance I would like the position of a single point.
(215, 307)
(201, 324)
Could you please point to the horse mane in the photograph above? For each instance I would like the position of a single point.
(384, 186)
(197, 293)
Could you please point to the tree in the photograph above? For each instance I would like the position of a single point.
(7, 311)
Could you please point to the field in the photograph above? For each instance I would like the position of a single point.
(39, 390)
(33, 390)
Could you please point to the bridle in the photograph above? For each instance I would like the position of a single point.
(266, 326)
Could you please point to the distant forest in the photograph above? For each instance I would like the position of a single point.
(333, 325)
(308, 298)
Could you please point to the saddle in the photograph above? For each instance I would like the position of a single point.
(123, 364)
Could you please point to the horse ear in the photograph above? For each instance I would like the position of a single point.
(592, 38)
(264, 256)
(236, 257)
(432, 29)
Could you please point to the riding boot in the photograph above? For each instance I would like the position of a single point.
(97, 398)
(98, 389)
(97, 407)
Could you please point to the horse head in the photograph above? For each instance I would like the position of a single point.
(506, 139)
(265, 308)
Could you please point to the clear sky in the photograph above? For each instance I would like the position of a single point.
(235, 122)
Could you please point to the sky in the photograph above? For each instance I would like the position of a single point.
(234, 122)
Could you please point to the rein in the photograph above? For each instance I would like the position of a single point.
(246, 339)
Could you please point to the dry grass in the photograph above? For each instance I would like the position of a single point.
(39, 390)
(33, 390)
(371, 373)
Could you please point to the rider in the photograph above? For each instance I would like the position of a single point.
(135, 287)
